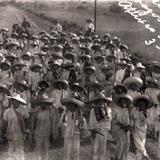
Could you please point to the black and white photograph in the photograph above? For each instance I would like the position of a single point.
(79, 79)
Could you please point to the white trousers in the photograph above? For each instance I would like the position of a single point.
(42, 148)
(72, 147)
(16, 150)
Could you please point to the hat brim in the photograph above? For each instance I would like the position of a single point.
(145, 98)
(133, 80)
(65, 85)
(127, 98)
(68, 101)
(100, 99)
(76, 88)
(4, 89)
(19, 100)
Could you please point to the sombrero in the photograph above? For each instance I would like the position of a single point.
(11, 57)
(111, 45)
(101, 98)
(42, 83)
(127, 60)
(67, 65)
(4, 65)
(21, 83)
(95, 85)
(123, 46)
(45, 48)
(67, 102)
(84, 57)
(36, 66)
(18, 99)
(24, 35)
(63, 82)
(89, 70)
(145, 98)
(133, 80)
(33, 37)
(84, 49)
(106, 35)
(105, 68)
(99, 58)
(5, 30)
(26, 56)
(155, 67)
(18, 66)
(12, 43)
(87, 39)
(123, 63)
(14, 35)
(97, 41)
(96, 47)
(43, 100)
(4, 89)
(52, 64)
(110, 57)
(42, 33)
(76, 87)
(75, 40)
(69, 56)
(126, 97)
(140, 66)
(55, 55)
(122, 86)
(54, 33)
(40, 54)
(152, 80)
(90, 20)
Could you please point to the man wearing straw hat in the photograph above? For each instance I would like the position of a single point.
(139, 116)
(14, 129)
(42, 125)
(100, 120)
(72, 121)
(121, 126)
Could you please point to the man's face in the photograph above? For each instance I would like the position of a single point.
(123, 103)
(15, 103)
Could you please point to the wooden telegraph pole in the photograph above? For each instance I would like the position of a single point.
(35, 6)
(95, 15)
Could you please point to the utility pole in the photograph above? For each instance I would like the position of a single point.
(95, 15)
(35, 6)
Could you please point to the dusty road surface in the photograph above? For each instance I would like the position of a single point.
(11, 15)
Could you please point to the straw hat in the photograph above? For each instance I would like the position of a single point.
(36, 67)
(85, 57)
(22, 83)
(69, 102)
(18, 99)
(101, 99)
(145, 98)
(95, 85)
(43, 100)
(89, 69)
(26, 56)
(4, 89)
(43, 83)
(133, 80)
(70, 56)
(140, 66)
(126, 97)
(63, 82)
(76, 87)
(120, 86)
(4, 65)
(152, 80)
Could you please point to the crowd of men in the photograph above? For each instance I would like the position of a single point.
(69, 86)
